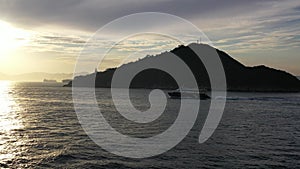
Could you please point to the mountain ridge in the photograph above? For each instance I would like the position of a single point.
(238, 76)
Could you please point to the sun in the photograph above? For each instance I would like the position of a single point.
(11, 38)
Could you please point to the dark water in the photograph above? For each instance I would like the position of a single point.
(39, 129)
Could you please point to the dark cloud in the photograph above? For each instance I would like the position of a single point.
(92, 14)
(64, 39)
(297, 8)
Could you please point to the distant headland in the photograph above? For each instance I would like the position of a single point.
(238, 76)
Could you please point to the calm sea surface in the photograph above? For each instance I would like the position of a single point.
(39, 129)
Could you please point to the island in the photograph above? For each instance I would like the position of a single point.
(238, 76)
(66, 81)
(49, 81)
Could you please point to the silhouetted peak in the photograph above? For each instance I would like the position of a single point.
(238, 76)
(200, 45)
(196, 45)
(260, 66)
(264, 67)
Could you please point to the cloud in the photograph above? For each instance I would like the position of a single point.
(219, 19)
(92, 14)
(236, 26)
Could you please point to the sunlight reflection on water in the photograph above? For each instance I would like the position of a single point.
(39, 129)
(9, 121)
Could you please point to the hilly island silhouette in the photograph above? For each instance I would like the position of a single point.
(238, 76)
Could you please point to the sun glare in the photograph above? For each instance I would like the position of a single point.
(9, 121)
(8, 106)
(11, 38)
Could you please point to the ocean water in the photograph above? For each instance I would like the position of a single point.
(39, 129)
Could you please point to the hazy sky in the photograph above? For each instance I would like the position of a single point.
(47, 35)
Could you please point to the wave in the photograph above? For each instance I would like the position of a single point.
(271, 98)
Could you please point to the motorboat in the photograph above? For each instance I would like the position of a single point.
(188, 94)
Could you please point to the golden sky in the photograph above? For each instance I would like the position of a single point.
(47, 36)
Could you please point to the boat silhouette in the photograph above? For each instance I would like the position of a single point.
(188, 94)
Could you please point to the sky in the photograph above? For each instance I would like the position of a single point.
(48, 35)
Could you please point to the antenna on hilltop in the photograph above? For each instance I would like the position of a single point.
(199, 40)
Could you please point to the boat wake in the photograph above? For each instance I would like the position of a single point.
(263, 98)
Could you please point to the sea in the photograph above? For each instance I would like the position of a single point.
(39, 129)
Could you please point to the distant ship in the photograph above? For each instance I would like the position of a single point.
(66, 81)
(188, 94)
(49, 81)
